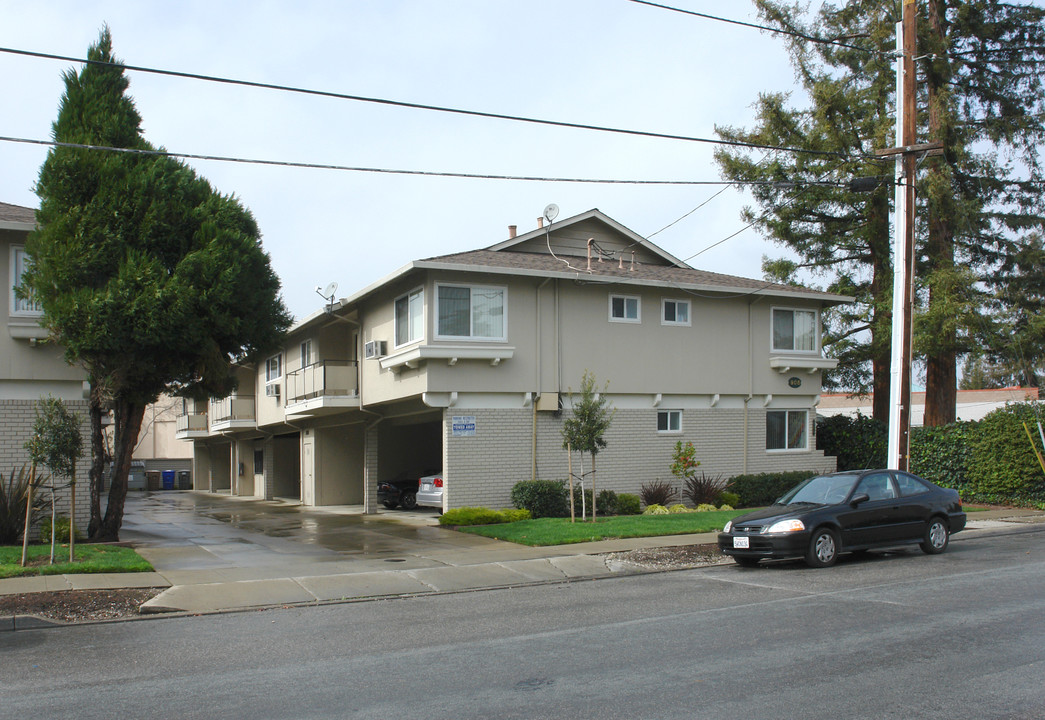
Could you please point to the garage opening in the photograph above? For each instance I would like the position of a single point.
(286, 471)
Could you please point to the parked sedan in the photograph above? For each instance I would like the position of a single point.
(430, 491)
(401, 490)
(846, 512)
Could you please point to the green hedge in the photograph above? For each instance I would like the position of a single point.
(857, 442)
(941, 454)
(765, 488)
(1002, 463)
(481, 516)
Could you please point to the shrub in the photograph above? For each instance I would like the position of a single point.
(678, 508)
(1002, 463)
(606, 503)
(61, 530)
(13, 493)
(727, 498)
(941, 454)
(657, 492)
(578, 507)
(765, 488)
(543, 498)
(703, 488)
(655, 510)
(628, 504)
(706, 507)
(857, 443)
(726, 507)
(481, 516)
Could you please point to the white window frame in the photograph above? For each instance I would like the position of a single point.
(669, 414)
(676, 322)
(772, 330)
(269, 376)
(307, 356)
(625, 319)
(787, 424)
(17, 260)
(503, 289)
(414, 334)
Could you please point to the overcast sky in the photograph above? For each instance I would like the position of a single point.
(599, 62)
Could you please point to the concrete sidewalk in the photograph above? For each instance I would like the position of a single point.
(216, 553)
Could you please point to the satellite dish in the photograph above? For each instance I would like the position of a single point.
(329, 290)
(551, 212)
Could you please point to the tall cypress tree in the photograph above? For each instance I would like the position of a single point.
(150, 279)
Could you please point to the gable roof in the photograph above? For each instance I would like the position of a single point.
(16, 217)
(586, 223)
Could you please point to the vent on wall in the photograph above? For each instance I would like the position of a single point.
(374, 349)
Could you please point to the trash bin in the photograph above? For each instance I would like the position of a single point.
(152, 480)
(168, 479)
(184, 480)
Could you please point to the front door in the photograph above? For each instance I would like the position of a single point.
(308, 485)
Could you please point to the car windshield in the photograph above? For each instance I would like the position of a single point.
(821, 490)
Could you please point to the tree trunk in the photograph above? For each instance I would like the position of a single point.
(96, 476)
(128, 422)
(941, 374)
(593, 503)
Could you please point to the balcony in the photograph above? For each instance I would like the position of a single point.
(324, 388)
(237, 412)
(190, 426)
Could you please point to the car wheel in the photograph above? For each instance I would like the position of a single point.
(936, 537)
(823, 548)
(408, 501)
(746, 561)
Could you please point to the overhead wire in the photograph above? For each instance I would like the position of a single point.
(352, 168)
(405, 104)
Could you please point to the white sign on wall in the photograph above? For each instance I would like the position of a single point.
(463, 425)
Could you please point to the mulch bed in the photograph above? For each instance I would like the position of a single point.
(78, 605)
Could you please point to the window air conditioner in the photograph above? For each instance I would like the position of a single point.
(374, 349)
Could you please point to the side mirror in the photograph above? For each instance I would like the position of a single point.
(857, 499)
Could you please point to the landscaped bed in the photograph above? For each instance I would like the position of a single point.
(560, 531)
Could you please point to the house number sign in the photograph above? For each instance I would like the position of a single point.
(794, 382)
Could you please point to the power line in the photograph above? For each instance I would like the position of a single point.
(404, 104)
(793, 33)
(388, 171)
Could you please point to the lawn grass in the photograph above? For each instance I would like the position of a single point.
(89, 559)
(560, 531)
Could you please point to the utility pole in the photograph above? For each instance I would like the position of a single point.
(903, 237)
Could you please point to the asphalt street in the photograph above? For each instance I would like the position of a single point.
(903, 635)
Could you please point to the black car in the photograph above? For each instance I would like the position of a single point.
(846, 512)
(401, 490)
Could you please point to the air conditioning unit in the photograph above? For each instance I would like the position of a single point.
(272, 390)
(375, 349)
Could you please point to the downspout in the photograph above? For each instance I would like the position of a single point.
(750, 377)
(533, 402)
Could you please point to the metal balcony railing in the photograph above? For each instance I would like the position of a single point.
(329, 377)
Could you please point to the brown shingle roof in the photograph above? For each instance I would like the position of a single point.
(540, 263)
(16, 213)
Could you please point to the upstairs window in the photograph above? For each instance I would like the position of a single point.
(470, 312)
(307, 358)
(274, 368)
(21, 306)
(794, 330)
(674, 312)
(625, 308)
(410, 314)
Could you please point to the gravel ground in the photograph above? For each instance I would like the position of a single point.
(677, 557)
(78, 605)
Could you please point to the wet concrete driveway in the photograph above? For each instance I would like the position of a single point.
(200, 531)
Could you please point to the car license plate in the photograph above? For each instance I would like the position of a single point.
(426, 486)
(741, 543)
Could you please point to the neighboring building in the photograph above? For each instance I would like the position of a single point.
(31, 367)
(466, 362)
(970, 405)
